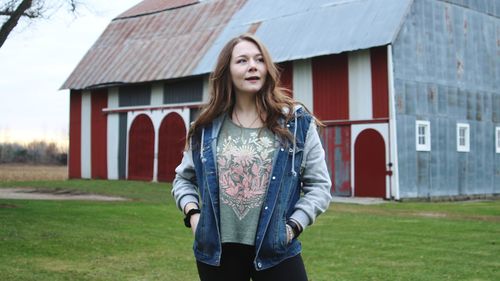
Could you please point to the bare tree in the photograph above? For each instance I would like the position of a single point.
(12, 11)
(35, 152)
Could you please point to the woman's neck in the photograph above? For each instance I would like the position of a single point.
(245, 112)
(245, 104)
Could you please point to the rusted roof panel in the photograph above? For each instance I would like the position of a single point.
(154, 6)
(159, 40)
(157, 46)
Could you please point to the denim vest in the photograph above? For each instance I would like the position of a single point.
(282, 194)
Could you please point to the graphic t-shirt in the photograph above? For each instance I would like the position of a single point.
(244, 163)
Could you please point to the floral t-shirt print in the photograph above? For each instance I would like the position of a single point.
(244, 158)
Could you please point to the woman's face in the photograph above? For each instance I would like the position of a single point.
(248, 69)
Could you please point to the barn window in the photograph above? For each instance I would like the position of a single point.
(135, 95)
(463, 137)
(423, 135)
(497, 134)
(183, 91)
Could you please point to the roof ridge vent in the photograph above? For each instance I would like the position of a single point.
(150, 7)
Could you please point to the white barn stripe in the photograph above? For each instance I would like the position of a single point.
(360, 86)
(206, 90)
(113, 134)
(302, 82)
(86, 135)
(157, 94)
(156, 99)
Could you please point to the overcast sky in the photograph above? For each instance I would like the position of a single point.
(35, 61)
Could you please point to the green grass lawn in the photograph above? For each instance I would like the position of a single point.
(144, 238)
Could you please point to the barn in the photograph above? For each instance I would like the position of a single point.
(408, 89)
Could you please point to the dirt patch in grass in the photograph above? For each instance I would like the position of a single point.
(7, 206)
(53, 194)
(439, 215)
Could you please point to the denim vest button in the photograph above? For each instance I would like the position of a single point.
(259, 265)
(273, 178)
(265, 208)
(288, 125)
(282, 149)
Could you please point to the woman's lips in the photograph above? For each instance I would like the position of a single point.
(253, 78)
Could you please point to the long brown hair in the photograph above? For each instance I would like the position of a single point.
(271, 99)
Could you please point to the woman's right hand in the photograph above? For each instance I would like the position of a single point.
(194, 218)
(194, 222)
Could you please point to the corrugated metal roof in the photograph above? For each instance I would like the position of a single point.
(155, 46)
(302, 29)
(157, 41)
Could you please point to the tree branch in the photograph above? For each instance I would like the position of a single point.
(9, 25)
(29, 14)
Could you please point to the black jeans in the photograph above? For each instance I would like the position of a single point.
(237, 265)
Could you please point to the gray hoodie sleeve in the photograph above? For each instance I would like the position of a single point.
(185, 188)
(316, 181)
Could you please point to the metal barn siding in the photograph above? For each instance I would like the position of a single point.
(75, 132)
(370, 165)
(331, 87)
(98, 134)
(440, 76)
(490, 7)
(380, 82)
(141, 149)
(183, 91)
(134, 95)
(337, 144)
(171, 143)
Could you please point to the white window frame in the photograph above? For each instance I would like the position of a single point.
(426, 136)
(465, 147)
(497, 139)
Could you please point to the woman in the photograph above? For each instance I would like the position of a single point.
(250, 155)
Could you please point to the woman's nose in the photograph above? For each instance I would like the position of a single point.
(252, 65)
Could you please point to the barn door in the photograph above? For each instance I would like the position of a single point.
(171, 144)
(337, 144)
(141, 149)
(369, 165)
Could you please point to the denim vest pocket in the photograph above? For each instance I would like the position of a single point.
(205, 242)
(280, 237)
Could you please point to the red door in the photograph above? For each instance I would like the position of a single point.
(141, 149)
(369, 165)
(172, 140)
(337, 140)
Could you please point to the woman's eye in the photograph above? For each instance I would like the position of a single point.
(241, 61)
(260, 59)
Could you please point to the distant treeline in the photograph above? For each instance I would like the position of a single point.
(35, 152)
